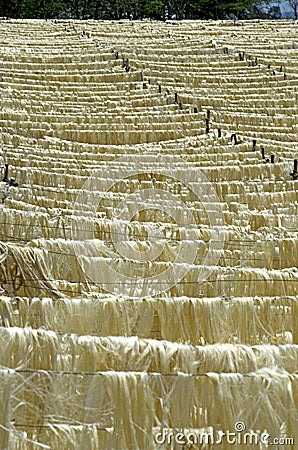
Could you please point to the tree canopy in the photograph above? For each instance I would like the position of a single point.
(133, 9)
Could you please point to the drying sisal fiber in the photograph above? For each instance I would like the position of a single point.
(47, 350)
(27, 268)
(198, 321)
(110, 165)
(126, 409)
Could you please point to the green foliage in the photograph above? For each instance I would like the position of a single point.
(131, 9)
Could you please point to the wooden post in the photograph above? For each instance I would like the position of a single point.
(272, 157)
(234, 138)
(263, 152)
(219, 132)
(294, 174)
(207, 126)
(254, 144)
(176, 98)
(5, 179)
(12, 182)
(159, 88)
(180, 105)
(208, 121)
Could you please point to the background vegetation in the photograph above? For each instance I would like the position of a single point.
(139, 9)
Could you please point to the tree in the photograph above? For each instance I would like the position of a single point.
(294, 6)
(42, 9)
(11, 8)
(175, 9)
(223, 9)
(31, 9)
(265, 9)
(136, 9)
